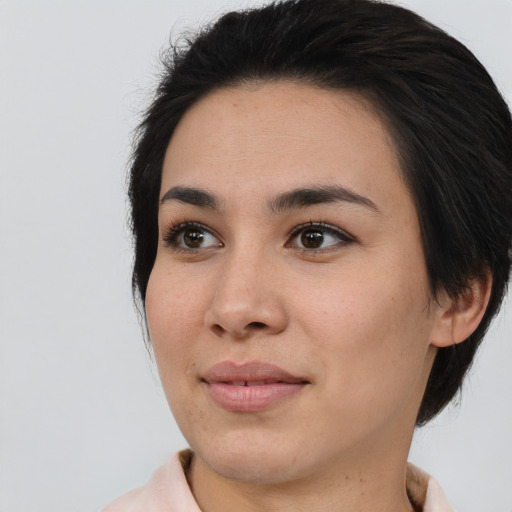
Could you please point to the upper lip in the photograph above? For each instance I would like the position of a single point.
(254, 371)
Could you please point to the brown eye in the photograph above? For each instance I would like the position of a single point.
(311, 239)
(192, 238)
(317, 237)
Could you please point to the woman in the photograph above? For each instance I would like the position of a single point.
(321, 200)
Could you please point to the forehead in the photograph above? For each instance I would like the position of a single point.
(267, 136)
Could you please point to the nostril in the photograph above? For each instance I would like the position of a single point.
(257, 325)
(217, 329)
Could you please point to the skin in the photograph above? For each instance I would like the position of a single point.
(353, 316)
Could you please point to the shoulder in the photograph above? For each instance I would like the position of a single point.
(425, 492)
(166, 488)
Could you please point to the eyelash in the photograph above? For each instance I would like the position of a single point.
(344, 237)
(170, 238)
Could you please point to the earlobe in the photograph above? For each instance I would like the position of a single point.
(459, 317)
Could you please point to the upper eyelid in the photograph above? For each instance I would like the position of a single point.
(170, 232)
(176, 226)
(321, 226)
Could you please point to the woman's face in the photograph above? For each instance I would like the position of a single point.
(288, 306)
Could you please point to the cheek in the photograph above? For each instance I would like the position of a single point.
(175, 313)
(174, 303)
(371, 330)
(357, 303)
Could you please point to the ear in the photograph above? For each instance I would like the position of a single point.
(458, 318)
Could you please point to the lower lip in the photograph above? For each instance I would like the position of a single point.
(251, 398)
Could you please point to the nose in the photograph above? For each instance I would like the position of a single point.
(247, 299)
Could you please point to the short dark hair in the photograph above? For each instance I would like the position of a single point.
(451, 127)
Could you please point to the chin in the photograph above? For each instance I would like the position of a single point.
(253, 461)
(255, 469)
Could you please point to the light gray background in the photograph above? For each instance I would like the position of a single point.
(83, 418)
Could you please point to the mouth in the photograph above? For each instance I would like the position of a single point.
(249, 383)
(250, 387)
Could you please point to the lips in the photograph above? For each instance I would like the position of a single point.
(250, 387)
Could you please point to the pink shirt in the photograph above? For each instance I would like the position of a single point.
(168, 491)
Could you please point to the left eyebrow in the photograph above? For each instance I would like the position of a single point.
(304, 197)
(193, 196)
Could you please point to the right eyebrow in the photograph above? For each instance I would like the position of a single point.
(193, 196)
(304, 197)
